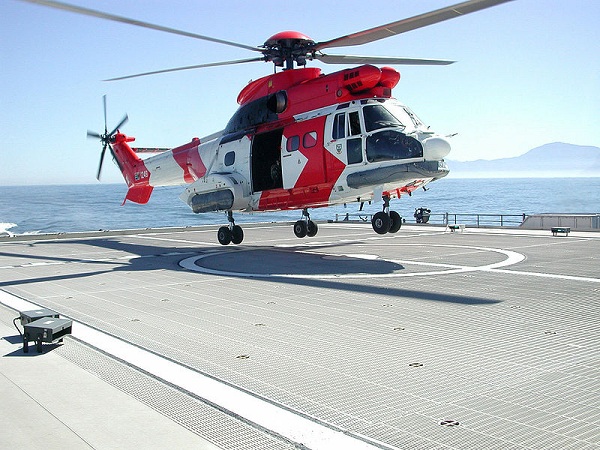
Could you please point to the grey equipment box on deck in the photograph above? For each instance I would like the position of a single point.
(46, 329)
(32, 316)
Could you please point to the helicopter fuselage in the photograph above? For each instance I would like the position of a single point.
(301, 140)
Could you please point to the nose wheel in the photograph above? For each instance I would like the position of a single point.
(230, 234)
(386, 221)
(305, 227)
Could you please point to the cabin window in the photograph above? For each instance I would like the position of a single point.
(339, 126)
(354, 150)
(293, 143)
(310, 139)
(354, 122)
(229, 159)
(376, 117)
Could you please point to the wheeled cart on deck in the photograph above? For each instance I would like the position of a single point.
(43, 325)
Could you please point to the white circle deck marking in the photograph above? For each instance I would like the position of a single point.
(511, 258)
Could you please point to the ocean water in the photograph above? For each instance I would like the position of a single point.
(51, 209)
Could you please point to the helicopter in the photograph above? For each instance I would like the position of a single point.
(300, 138)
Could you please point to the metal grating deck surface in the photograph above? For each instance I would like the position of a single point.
(423, 339)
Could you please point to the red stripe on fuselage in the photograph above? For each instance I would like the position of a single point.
(188, 158)
(318, 177)
(305, 194)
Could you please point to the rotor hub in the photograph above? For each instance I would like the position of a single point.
(284, 36)
(289, 47)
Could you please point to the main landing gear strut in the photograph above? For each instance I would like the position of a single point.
(232, 233)
(305, 227)
(386, 221)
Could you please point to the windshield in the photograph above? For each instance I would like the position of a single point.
(376, 117)
(388, 145)
(404, 114)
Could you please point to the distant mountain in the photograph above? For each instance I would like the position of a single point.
(550, 160)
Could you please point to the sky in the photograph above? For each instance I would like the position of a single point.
(527, 74)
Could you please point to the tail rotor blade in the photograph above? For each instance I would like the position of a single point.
(121, 123)
(104, 105)
(101, 161)
(107, 138)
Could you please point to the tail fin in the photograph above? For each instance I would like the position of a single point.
(133, 168)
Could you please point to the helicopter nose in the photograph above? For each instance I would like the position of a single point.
(435, 148)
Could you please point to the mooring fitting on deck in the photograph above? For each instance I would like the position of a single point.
(456, 227)
(43, 325)
(557, 230)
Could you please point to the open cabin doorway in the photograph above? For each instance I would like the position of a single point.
(266, 161)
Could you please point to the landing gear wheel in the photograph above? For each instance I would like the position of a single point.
(237, 234)
(381, 222)
(396, 221)
(224, 235)
(300, 229)
(311, 229)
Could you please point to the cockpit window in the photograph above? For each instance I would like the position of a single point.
(405, 115)
(413, 117)
(388, 145)
(354, 122)
(376, 117)
(339, 126)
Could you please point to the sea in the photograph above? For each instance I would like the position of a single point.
(78, 208)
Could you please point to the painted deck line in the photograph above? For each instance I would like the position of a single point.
(547, 275)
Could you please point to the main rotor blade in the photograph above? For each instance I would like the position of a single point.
(198, 66)
(138, 23)
(412, 23)
(354, 59)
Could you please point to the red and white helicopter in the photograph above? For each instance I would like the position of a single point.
(300, 139)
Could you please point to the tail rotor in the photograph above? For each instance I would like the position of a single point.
(107, 138)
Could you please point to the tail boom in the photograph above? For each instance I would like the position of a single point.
(133, 168)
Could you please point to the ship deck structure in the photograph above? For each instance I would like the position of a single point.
(428, 339)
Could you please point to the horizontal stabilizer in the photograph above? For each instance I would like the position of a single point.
(150, 149)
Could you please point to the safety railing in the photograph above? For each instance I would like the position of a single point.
(353, 217)
(482, 220)
(468, 219)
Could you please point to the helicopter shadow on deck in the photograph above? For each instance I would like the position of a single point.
(276, 262)
(269, 261)
(321, 271)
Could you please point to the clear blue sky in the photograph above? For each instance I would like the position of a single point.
(528, 73)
